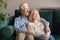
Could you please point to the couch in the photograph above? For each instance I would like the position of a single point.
(7, 31)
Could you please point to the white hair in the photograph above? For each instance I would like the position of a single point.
(22, 5)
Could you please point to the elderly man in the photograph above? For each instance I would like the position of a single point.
(20, 24)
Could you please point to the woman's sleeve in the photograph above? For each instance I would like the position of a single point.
(29, 26)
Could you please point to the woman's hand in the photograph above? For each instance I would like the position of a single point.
(30, 32)
(45, 36)
(48, 32)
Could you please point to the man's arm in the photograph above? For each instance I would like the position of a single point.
(47, 29)
(16, 25)
(46, 23)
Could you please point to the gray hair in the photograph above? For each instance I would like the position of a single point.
(22, 5)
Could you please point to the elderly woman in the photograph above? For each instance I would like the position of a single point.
(37, 27)
(21, 22)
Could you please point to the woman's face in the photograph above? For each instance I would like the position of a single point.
(35, 15)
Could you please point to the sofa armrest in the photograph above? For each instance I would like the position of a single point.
(7, 31)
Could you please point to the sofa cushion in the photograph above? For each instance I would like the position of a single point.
(7, 31)
(48, 15)
(11, 20)
(8, 21)
(56, 21)
(7, 38)
(3, 23)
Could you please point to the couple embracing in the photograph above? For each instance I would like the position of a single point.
(30, 26)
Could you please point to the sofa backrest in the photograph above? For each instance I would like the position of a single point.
(17, 13)
(56, 21)
(48, 15)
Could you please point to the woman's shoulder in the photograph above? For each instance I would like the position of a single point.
(30, 23)
(40, 23)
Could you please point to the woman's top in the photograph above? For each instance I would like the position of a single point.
(37, 28)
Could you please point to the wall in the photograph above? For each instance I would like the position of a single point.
(14, 4)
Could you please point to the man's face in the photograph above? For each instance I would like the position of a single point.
(25, 10)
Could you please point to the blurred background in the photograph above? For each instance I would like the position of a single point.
(14, 4)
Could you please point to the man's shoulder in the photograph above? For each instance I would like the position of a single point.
(18, 17)
(42, 18)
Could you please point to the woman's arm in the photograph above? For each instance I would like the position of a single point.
(48, 32)
(30, 30)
